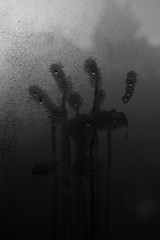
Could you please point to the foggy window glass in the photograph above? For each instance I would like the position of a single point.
(79, 119)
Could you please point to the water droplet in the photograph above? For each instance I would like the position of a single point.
(56, 72)
(40, 100)
(130, 84)
(93, 72)
(34, 93)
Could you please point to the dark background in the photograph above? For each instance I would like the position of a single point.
(25, 138)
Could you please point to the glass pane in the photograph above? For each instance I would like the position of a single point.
(80, 119)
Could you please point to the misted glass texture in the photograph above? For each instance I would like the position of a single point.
(79, 119)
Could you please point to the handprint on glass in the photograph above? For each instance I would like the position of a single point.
(84, 131)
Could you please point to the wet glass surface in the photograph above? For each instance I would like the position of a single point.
(80, 119)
